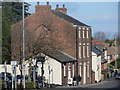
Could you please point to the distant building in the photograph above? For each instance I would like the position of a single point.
(96, 63)
(101, 46)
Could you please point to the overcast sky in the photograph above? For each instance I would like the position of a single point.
(101, 16)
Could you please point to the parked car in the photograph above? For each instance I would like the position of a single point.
(117, 76)
(2, 76)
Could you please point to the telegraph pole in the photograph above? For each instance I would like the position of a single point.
(23, 46)
(115, 54)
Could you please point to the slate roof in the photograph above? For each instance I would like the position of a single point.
(68, 18)
(61, 57)
(95, 50)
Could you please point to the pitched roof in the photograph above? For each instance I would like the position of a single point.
(103, 60)
(61, 56)
(95, 50)
(68, 18)
(111, 50)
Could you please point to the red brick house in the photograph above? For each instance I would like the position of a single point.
(72, 34)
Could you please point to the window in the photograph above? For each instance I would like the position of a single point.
(87, 34)
(79, 34)
(80, 64)
(88, 68)
(64, 70)
(73, 70)
(83, 34)
(79, 50)
(84, 50)
(87, 49)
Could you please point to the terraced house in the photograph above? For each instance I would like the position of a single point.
(71, 34)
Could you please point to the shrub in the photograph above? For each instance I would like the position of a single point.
(29, 85)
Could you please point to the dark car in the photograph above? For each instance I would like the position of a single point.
(117, 76)
(8, 75)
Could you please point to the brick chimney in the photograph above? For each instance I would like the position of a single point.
(64, 10)
(42, 8)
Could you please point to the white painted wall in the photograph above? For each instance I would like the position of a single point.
(96, 62)
(55, 65)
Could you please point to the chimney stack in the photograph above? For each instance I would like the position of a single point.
(47, 3)
(37, 3)
(57, 6)
(63, 10)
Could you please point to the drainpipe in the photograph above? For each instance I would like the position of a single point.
(77, 55)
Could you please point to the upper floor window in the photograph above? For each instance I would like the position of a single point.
(83, 34)
(79, 51)
(87, 49)
(87, 34)
(79, 34)
(84, 50)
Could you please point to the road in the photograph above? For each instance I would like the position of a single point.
(107, 84)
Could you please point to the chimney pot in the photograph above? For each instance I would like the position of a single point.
(47, 3)
(57, 5)
(63, 5)
(37, 3)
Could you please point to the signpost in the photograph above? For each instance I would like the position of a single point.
(14, 64)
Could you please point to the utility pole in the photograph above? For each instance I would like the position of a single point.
(5, 69)
(52, 76)
(23, 46)
(49, 75)
(115, 54)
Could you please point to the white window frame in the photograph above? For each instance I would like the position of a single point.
(87, 34)
(83, 34)
(84, 50)
(80, 65)
(64, 70)
(80, 56)
(73, 70)
(79, 34)
(88, 69)
(87, 49)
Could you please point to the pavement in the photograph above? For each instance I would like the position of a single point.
(109, 83)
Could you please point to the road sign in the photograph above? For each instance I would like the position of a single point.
(23, 66)
(70, 80)
(14, 63)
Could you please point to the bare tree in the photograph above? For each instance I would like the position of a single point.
(100, 36)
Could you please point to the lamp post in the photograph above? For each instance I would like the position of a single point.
(115, 54)
(23, 47)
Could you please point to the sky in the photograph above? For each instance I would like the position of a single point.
(101, 16)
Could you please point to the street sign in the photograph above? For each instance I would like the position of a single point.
(23, 66)
(70, 80)
(14, 63)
